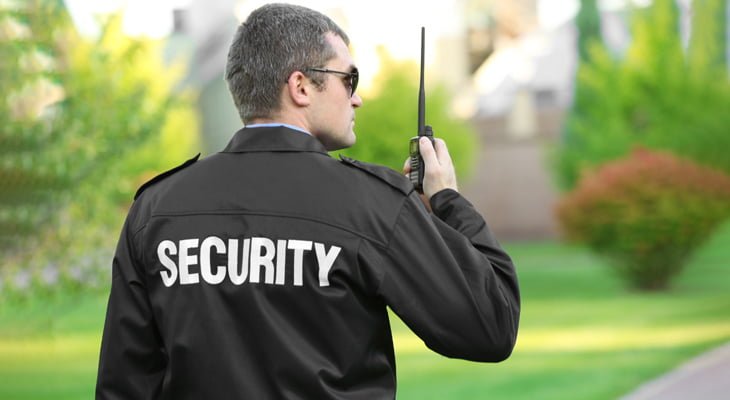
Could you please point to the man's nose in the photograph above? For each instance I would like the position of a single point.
(356, 100)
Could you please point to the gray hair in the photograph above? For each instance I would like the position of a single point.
(274, 41)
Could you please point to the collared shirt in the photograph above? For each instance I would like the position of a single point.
(277, 124)
(265, 272)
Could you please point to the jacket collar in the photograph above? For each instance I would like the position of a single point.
(277, 138)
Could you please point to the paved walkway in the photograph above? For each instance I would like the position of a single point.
(706, 377)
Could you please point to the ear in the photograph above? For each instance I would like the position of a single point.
(299, 89)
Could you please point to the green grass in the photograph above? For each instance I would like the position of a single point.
(582, 335)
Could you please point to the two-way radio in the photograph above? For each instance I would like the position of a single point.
(417, 165)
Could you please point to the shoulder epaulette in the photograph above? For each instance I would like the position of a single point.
(385, 174)
(165, 175)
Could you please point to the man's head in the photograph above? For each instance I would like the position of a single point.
(284, 57)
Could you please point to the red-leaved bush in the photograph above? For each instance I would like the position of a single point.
(646, 213)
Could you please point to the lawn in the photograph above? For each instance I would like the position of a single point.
(582, 336)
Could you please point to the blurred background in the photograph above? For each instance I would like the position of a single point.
(593, 135)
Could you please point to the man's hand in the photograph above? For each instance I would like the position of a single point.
(439, 171)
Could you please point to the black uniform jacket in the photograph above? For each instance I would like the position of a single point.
(264, 272)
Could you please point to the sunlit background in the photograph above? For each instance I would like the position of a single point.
(593, 136)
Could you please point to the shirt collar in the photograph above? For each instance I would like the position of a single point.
(274, 124)
(273, 138)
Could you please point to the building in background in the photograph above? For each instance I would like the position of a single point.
(202, 33)
(519, 96)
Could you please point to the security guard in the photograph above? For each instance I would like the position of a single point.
(264, 271)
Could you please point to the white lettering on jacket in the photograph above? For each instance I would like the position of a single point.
(256, 259)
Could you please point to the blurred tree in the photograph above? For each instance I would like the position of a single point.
(707, 52)
(388, 119)
(32, 169)
(657, 96)
(588, 21)
(86, 121)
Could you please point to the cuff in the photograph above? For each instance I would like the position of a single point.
(446, 202)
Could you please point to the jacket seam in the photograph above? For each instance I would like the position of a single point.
(380, 275)
(386, 247)
(267, 214)
(139, 258)
(391, 231)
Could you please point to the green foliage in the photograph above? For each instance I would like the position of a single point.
(32, 168)
(588, 22)
(388, 119)
(114, 120)
(647, 213)
(657, 96)
(708, 51)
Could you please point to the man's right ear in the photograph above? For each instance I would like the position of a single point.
(299, 88)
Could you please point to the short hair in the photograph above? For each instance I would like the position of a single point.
(274, 41)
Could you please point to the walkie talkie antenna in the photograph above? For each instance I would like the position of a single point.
(416, 161)
(421, 93)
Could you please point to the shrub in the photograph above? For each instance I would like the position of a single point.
(646, 213)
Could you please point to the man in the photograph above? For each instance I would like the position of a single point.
(264, 271)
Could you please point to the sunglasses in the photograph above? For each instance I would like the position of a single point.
(351, 78)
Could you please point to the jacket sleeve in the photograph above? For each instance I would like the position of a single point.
(132, 361)
(448, 279)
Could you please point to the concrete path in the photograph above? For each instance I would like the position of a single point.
(706, 377)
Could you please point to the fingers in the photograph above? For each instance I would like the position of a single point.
(442, 152)
(439, 169)
(437, 151)
(407, 166)
(428, 154)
